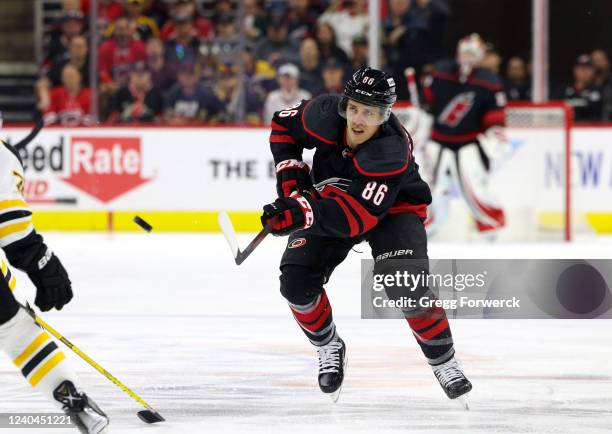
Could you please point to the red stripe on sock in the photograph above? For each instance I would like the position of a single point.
(314, 313)
(426, 319)
(435, 331)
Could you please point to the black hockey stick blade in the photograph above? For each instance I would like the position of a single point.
(242, 255)
(149, 416)
(227, 228)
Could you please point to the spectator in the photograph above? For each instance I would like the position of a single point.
(516, 84)
(189, 103)
(310, 67)
(583, 95)
(254, 21)
(326, 41)
(70, 103)
(275, 48)
(348, 19)
(360, 57)
(78, 57)
(139, 101)
(491, 60)
(230, 94)
(163, 76)
(202, 28)
(333, 77)
(117, 55)
(71, 26)
(289, 93)
(184, 47)
(143, 27)
(602, 77)
(108, 10)
(601, 63)
(301, 19)
(227, 42)
(414, 34)
(222, 7)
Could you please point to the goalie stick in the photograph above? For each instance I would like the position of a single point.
(230, 236)
(149, 415)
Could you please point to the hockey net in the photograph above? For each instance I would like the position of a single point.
(532, 181)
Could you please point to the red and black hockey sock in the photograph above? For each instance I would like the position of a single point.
(432, 332)
(316, 319)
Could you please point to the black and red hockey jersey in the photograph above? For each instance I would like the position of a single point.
(362, 186)
(462, 110)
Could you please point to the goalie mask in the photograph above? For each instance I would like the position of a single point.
(470, 52)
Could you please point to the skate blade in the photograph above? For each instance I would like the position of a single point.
(336, 395)
(463, 400)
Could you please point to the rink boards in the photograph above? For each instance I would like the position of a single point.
(178, 178)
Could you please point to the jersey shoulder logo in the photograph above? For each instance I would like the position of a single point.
(457, 109)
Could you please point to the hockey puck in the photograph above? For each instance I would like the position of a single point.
(143, 224)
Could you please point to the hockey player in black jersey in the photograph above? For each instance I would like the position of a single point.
(368, 189)
(467, 103)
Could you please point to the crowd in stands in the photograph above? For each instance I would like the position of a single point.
(183, 62)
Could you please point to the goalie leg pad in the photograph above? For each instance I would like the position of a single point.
(473, 181)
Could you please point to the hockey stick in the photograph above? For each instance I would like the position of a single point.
(230, 235)
(149, 415)
(27, 139)
(412, 87)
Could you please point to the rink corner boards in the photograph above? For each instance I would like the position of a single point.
(162, 221)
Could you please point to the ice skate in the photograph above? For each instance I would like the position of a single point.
(453, 381)
(85, 414)
(332, 364)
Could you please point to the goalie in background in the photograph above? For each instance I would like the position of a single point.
(467, 104)
(31, 349)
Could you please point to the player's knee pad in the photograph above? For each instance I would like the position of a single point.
(404, 281)
(300, 285)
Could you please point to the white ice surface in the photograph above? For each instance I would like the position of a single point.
(214, 349)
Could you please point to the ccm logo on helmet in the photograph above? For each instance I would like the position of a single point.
(363, 92)
(298, 242)
(400, 252)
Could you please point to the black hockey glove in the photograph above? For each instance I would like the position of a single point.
(292, 175)
(288, 214)
(53, 287)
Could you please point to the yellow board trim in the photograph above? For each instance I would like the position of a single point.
(600, 221)
(34, 345)
(14, 228)
(4, 268)
(175, 221)
(44, 369)
(206, 221)
(12, 203)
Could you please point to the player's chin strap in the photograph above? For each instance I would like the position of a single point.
(149, 415)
